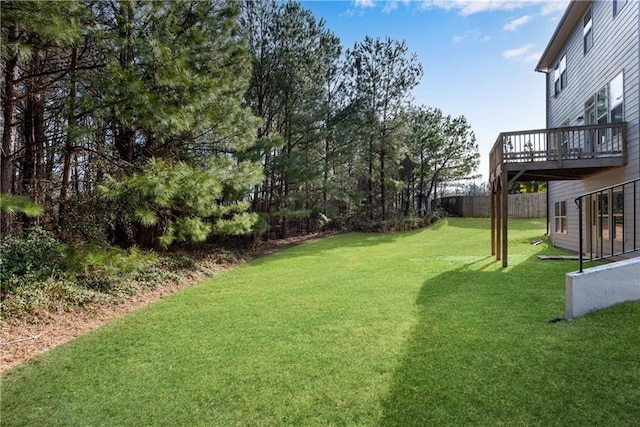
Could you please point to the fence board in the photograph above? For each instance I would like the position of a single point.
(527, 205)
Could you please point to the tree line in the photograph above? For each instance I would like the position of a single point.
(153, 123)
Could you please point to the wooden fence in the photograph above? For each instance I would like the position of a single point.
(528, 205)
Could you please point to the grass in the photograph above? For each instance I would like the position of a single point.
(414, 328)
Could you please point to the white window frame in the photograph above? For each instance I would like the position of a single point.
(616, 97)
(560, 75)
(609, 98)
(604, 217)
(587, 31)
(611, 215)
(561, 217)
(617, 6)
(617, 214)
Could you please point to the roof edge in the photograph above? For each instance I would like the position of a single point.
(572, 15)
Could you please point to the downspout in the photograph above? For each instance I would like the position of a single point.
(547, 208)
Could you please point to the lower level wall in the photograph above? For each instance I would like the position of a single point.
(599, 287)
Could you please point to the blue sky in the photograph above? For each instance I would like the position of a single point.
(478, 56)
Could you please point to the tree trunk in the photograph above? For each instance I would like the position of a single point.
(383, 187)
(370, 179)
(421, 201)
(123, 140)
(8, 135)
(69, 141)
(34, 138)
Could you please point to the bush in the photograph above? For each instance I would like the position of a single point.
(37, 298)
(393, 225)
(38, 255)
(153, 275)
(100, 284)
(92, 260)
(178, 262)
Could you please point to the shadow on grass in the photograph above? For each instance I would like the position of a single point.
(485, 223)
(470, 356)
(346, 240)
(482, 353)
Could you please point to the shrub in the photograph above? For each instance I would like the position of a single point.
(393, 225)
(37, 298)
(38, 255)
(153, 275)
(101, 284)
(178, 262)
(93, 260)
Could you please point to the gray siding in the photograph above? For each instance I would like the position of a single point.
(616, 48)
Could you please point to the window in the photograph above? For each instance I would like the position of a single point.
(609, 108)
(617, 5)
(603, 215)
(560, 75)
(611, 214)
(587, 31)
(616, 100)
(602, 113)
(590, 119)
(561, 217)
(617, 212)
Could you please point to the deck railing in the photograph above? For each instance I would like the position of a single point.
(559, 144)
(613, 221)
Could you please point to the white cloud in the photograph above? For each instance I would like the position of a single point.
(515, 23)
(470, 7)
(525, 53)
(390, 6)
(532, 57)
(364, 3)
(551, 7)
(473, 35)
(518, 52)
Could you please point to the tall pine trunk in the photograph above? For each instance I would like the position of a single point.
(69, 141)
(8, 136)
(383, 187)
(34, 138)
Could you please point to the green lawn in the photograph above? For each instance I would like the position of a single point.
(416, 328)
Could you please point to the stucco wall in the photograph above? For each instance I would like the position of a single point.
(601, 287)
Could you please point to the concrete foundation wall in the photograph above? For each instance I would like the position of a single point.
(601, 287)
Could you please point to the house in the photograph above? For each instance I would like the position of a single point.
(589, 152)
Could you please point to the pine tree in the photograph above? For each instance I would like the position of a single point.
(292, 53)
(382, 75)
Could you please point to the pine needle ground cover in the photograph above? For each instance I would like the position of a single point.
(415, 328)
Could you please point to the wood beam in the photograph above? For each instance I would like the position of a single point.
(505, 218)
(492, 214)
(498, 216)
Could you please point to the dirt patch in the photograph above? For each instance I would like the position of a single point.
(20, 342)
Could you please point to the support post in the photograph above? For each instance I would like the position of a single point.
(580, 236)
(492, 214)
(505, 218)
(498, 217)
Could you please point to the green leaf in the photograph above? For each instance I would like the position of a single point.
(11, 203)
(146, 216)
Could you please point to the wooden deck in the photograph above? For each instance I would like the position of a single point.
(556, 154)
(559, 153)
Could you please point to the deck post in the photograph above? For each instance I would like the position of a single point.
(505, 217)
(498, 216)
(492, 214)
